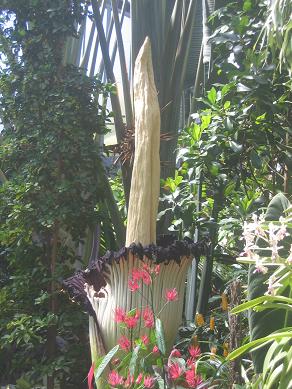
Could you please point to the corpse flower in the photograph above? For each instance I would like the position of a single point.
(104, 287)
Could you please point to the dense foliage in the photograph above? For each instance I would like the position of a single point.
(237, 144)
(51, 193)
(236, 153)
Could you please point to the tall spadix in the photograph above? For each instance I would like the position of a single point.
(144, 194)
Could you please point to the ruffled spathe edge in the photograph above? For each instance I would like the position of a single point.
(166, 250)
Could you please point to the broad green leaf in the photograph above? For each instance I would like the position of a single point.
(258, 342)
(277, 207)
(105, 361)
(160, 336)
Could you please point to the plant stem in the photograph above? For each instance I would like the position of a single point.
(52, 330)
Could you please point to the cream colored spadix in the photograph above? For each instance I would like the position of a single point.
(144, 194)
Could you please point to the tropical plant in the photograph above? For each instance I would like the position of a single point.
(277, 33)
(268, 248)
(170, 34)
(103, 287)
(235, 154)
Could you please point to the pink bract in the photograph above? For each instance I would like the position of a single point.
(171, 294)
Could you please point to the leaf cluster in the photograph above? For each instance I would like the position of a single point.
(53, 193)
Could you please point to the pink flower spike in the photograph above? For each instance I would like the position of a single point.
(191, 378)
(114, 379)
(120, 315)
(90, 376)
(125, 343)
(139, 378)
(171, 294)
(194, 351)
(133, 285)
(149, 381)
(175, 371)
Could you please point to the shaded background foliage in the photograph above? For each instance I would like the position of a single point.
(236, 152)
(51, 194)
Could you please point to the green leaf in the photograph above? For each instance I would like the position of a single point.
(259, 300)
(133, 361)
(255, 159)
(160, 336)
(258, 342)
(247, 5)
(277, 207)
(105, 361)
(212, 95)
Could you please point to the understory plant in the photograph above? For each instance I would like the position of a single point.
(268, 249)
(141, 358)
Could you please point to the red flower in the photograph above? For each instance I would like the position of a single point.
(175, 371)
(120, 315)
(194, 351)
(139, 378)
(145, 339)
(171, 294)
(125, 343)
(146, 277)
(191, 378)
(133, 285)
(148, 317)
(175, 353)
(146, 267)
(114, 379)
(136, 274)
(191, 363)
(155, 349)
(131, 321)
(149, 381)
